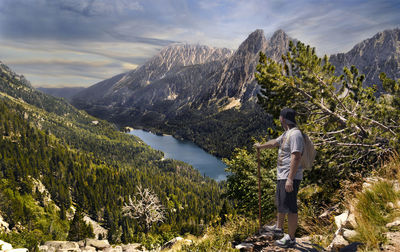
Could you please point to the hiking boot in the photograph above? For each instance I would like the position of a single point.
(286, 242)
(277, 232)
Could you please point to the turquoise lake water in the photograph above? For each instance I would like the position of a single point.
(185, 151)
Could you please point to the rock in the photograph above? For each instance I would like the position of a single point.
(171, 243)
(393, 224)
(98, 244)
(393, 242)
(351, 222)
(70, 246)
(366, 186)
(390, 205)
(81, 243)
(88, 249)
(4, 226)
(63, 245)
(5, 246)
(372, 180)
(340, 220)
(133, 247)
(349, 234)
(337, 243)
(18, 250)
(245, 247)
(45, 248)
(113, 249)
(397, 204)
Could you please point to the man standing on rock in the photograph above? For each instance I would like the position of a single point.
(289, 176)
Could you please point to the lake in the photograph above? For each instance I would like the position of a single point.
(185, 151)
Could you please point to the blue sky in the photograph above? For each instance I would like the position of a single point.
(59, 43)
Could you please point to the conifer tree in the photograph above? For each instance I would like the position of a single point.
(79, 230)
(350, 125)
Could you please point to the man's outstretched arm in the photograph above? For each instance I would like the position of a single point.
(268, 145)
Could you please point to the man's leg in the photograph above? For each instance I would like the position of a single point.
(292, 224)
(280, 220)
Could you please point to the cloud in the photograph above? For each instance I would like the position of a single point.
(125, 33)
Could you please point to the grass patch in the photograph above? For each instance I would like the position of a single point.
(220, 237)
(376, 206)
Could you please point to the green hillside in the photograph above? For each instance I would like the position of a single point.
(86, 163)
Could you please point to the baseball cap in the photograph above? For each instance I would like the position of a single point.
(289, 115)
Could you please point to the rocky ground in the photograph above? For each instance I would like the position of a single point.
(264, 242)
(88, 245)
(345, 233)
(7, 247)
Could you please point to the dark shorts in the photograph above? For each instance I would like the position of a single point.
(284, 201)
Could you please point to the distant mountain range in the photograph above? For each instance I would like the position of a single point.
(65, 92)
(186, 86)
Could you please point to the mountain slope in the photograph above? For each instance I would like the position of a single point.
(67, 92)
(381, 53)
(85, 163)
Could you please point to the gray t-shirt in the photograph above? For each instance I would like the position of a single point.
(295, 143)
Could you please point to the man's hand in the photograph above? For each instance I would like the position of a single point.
(257, 145)
(289, 185)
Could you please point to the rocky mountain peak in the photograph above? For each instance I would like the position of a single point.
(279, 35)
(254, 43)
(381, 53)
(186, 54)
(278, 44)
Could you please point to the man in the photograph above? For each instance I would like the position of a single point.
(289, 176)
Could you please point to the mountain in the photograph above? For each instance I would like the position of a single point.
(381, 53)
(197, 99)
(55, 159)
(169, 61)
(66, 92)
(198, 93)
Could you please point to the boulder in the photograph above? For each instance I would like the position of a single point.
(88, 249)
(98, 244)
(18, 250)
(245, 247)
(393, 224)
(70, 246)
(133, 247)
(349, 234)
(113, 249)
(4, 226)
(338, 243)
(63, 245)
(351, 222)
(45, 248)
(340, 220)
(81, 244)
(5, 246)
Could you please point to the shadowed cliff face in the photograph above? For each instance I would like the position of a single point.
(381, 53)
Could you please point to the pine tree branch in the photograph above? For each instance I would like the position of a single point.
(379, 124)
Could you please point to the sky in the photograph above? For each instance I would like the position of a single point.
(66, 43)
